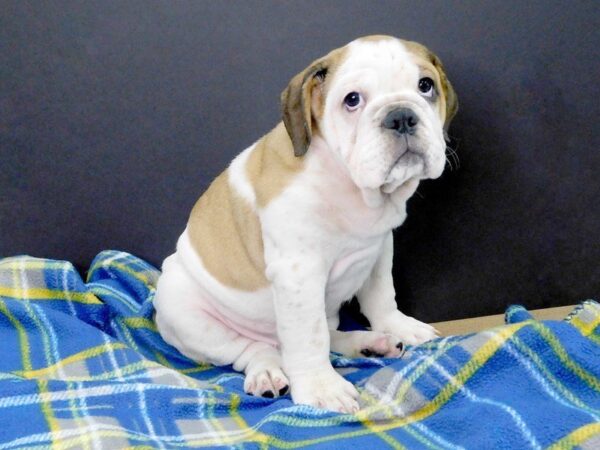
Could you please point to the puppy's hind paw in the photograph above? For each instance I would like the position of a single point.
(266, 382)
(407, 329)
(382, 345)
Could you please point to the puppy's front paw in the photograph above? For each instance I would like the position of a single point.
(408, 329)
(325, 389)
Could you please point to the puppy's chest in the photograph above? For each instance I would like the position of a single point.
(351, 269)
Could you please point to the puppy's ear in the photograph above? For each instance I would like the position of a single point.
(448, 90)
(297, 103)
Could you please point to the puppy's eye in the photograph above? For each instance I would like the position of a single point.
(426, 86)
(352, 101)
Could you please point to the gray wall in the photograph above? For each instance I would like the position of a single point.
(115, 116)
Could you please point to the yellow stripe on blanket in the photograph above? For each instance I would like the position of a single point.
(48, 294)
(88, 353)
(577, 437)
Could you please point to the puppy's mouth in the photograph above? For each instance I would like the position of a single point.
(389, 188)
(410, 159)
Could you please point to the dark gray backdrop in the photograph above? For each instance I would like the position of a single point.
(115, 116)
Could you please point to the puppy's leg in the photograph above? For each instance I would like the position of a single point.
(201, 337)
(299, 288)
(377, 300)
(357, 344)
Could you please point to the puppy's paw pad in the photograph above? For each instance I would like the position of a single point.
(269, 383)
(382, 345)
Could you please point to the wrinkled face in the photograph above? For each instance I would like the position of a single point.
(381, 104)
(384, 114)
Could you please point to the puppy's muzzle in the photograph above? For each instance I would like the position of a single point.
(401, 120)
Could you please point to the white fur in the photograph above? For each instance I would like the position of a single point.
(238, 179)
(327, 237)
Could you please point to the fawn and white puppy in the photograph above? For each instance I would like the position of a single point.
(302, 220)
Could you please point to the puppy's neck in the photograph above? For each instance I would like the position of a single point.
(332, 164)
(369, 209)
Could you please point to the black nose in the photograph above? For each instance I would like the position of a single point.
(403, 120)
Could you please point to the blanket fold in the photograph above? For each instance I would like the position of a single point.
(82, 366)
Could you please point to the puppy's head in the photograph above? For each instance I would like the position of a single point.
(382, 104)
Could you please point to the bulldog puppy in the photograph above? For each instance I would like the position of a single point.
(302, 220)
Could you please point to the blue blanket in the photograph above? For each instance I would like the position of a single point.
(82, 366)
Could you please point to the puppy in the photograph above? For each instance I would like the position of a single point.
(302, 220)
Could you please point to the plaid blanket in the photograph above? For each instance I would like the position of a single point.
(82, 366)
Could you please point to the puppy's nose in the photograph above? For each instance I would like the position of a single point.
(402, 120)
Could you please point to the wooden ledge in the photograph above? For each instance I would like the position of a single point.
(472, 325)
